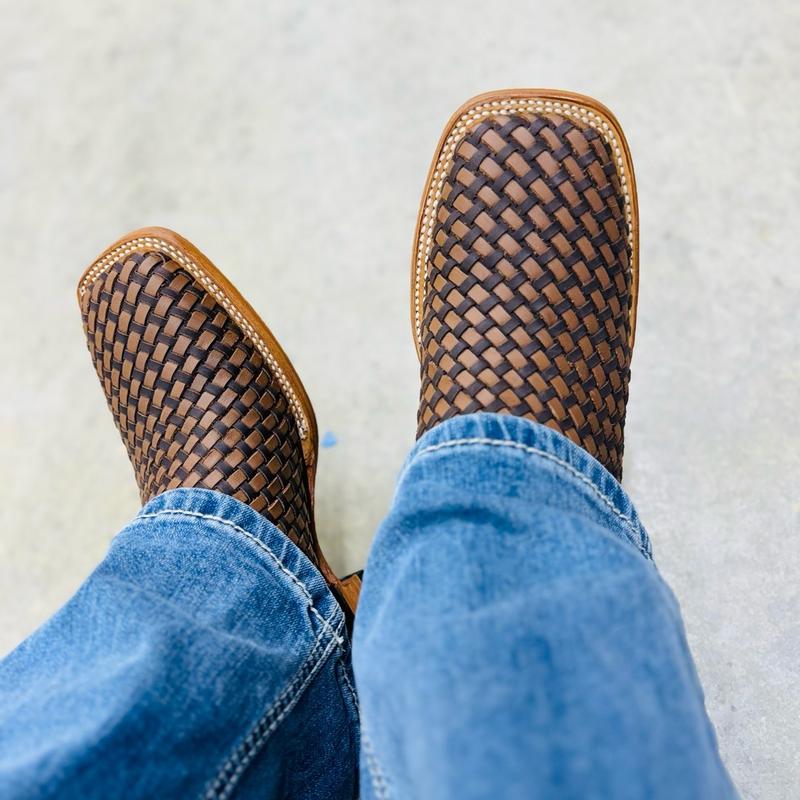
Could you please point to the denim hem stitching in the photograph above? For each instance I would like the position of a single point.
(225, 782)
(630, 525)
(283, 568)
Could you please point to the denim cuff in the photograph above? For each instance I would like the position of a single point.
(239, 527)
(561, 468)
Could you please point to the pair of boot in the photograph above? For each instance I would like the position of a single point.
(524, 277)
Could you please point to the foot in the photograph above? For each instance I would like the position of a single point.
(202, 394)
(524, 269)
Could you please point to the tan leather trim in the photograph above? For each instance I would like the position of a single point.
(576, 106)
(349, 589)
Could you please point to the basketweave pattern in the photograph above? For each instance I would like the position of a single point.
(526, 309)
(193, 399)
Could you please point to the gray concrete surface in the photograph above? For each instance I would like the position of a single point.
(290, 142)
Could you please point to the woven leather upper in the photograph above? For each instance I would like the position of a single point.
(526, 308)
(192, 397)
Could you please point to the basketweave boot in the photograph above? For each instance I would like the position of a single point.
(201, 392)
(525, 268)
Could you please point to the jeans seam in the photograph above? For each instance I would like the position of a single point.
(352, 690)
(380, 785)
(281, 566)
(456, 443)
(240, 759)
(353, 710)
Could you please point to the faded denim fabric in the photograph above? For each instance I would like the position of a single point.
(204, 657)
(514, 640)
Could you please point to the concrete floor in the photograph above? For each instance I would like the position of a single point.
(290, 142)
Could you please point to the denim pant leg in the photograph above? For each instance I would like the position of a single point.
(204, 657)
(514, 638)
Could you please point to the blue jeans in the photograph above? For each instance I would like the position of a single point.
(514, 640)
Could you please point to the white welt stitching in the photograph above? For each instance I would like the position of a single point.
(216, 292)
(294, 579)
(585, 115)
(629, 523)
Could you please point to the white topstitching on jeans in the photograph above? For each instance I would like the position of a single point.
(454, 443)
(258, 543)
